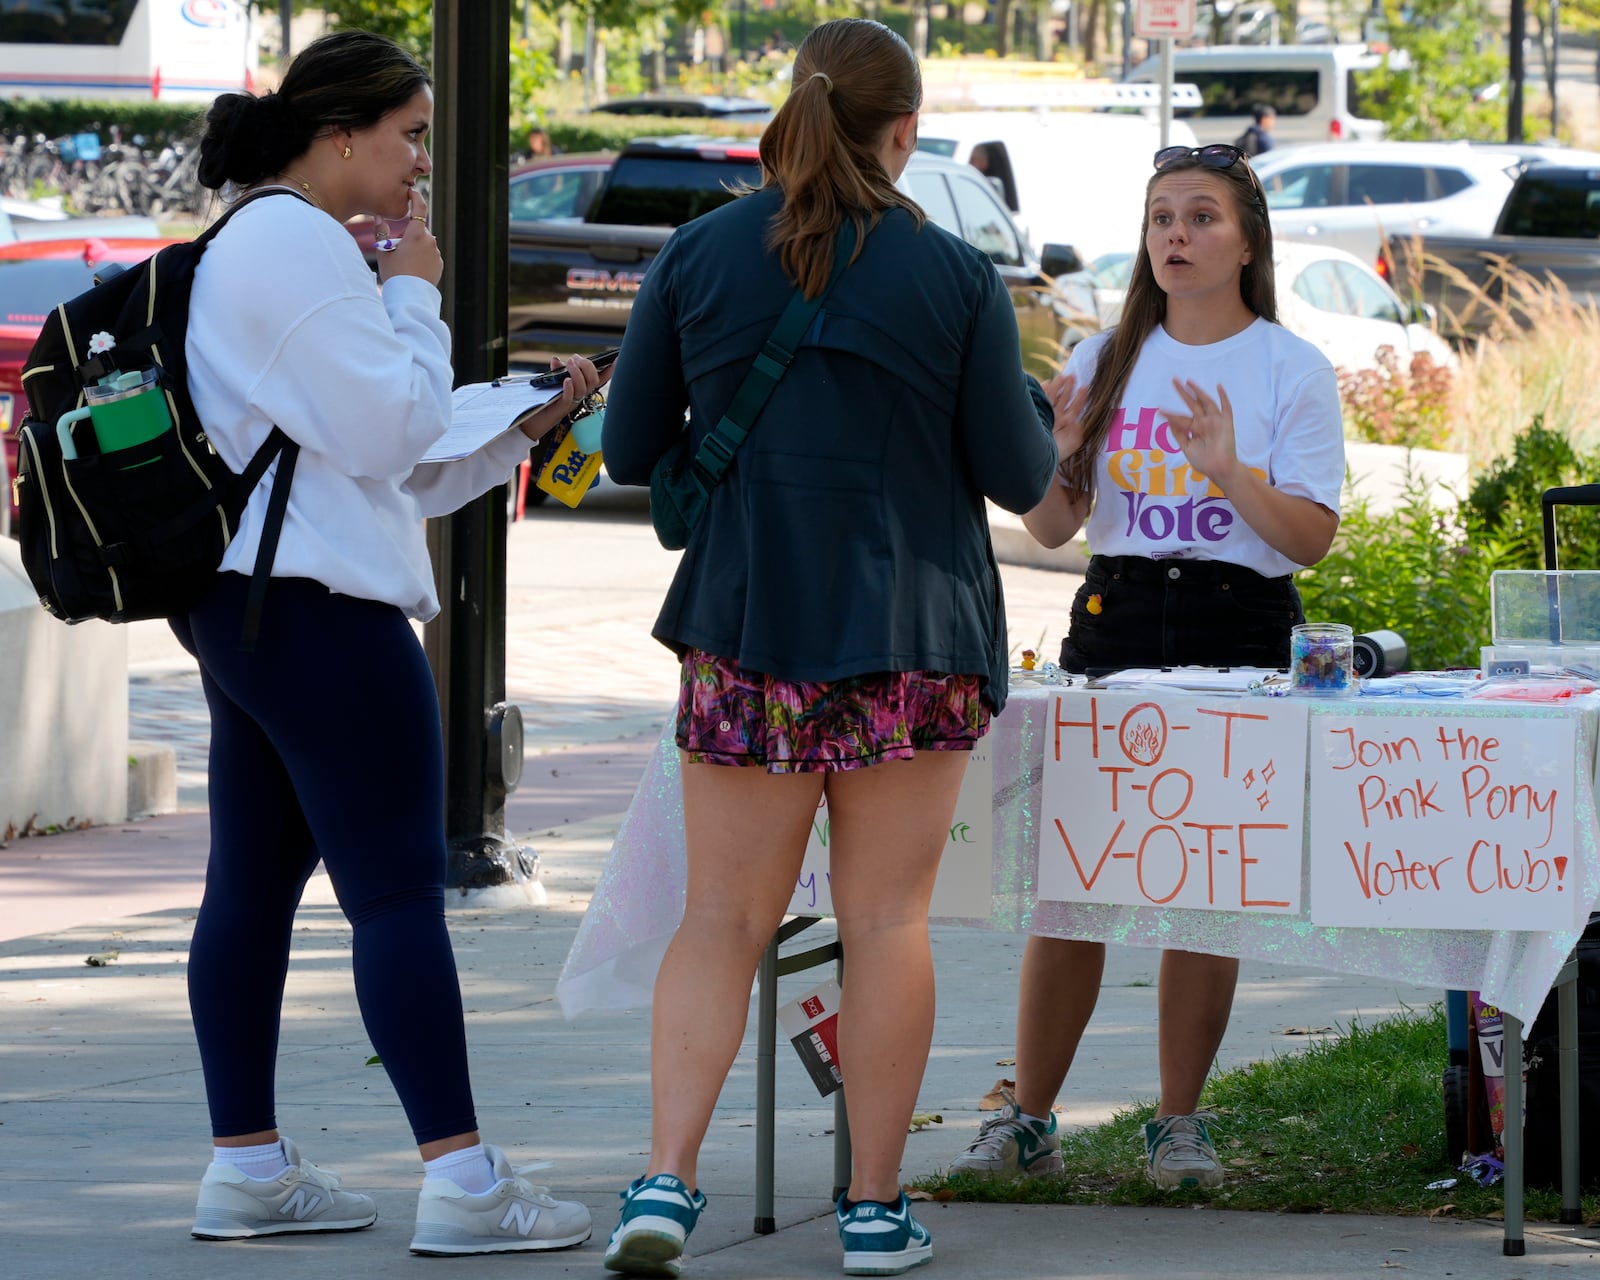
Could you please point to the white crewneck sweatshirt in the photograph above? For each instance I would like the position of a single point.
(287, 326)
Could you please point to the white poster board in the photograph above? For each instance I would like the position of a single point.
(962, 889)
(1443, 822)
(1158, 797)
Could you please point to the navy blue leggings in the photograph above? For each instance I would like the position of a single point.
(325, 743)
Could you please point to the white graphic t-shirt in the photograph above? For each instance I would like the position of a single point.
(1287, 428)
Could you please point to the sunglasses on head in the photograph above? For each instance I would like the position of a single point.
(1219, 155)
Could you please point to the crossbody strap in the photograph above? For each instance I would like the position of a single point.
(277, 445)
(716, 451)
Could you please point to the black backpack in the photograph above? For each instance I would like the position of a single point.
(137, 532)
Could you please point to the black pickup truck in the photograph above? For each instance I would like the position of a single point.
(571, 283)
(1549, 229)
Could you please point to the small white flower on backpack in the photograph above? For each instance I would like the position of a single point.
(101, 342)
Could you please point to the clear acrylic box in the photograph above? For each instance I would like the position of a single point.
(1545, 607)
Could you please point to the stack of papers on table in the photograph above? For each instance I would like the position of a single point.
(1203, 679)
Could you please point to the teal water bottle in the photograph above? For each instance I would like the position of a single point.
(125, 409)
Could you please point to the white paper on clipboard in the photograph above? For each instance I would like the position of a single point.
(480, 411)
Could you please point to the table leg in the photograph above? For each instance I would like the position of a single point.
(1567, 1053)
(841, 1119)
(1513, 1246)
(766, 1086)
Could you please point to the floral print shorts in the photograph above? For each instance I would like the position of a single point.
(730, 716)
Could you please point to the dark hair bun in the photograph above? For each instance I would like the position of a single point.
(247, 139)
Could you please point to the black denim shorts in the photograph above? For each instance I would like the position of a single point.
(1136, 612)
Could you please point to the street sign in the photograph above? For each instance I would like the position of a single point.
(1163, 19)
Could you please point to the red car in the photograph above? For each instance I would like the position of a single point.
(35, 276)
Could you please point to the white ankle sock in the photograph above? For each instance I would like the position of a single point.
(1038, 1122)
(261, 1163)
(469, 1169)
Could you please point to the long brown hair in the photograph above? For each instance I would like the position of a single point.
(1145, 305)
(852, 79)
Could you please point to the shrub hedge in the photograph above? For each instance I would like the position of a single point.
(160, 123)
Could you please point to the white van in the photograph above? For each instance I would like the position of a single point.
(1311, 87)
(1069, 177)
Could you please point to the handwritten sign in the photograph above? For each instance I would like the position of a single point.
(1443, 822)
(962, 890)
(1165, 798)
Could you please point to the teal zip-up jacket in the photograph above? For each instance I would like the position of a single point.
(849, 535)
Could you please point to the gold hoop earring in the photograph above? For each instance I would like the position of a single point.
(347, 153)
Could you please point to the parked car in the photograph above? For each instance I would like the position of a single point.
(1022, 153)
(571, 284)
(1312, 87)
(47, 220)
(558, 187)
(1548, 231)
(1332, 299)
(1353, 194)
(686, 104)
(36, 276)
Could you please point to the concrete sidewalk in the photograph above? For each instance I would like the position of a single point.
(102, 1116)
(105, 1138)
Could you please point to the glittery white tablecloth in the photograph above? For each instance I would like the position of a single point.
(639, 900)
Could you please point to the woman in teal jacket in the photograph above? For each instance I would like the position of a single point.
(837, 609)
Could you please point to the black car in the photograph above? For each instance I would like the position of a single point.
(684, 104)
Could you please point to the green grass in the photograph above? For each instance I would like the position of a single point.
(1354, 1124)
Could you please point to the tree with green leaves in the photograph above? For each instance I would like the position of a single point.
(1453, 56)
(409, 23)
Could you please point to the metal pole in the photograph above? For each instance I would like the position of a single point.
(1513, 1245)
(1127, 37)
(766, 1086)
(1568, 1062)
(1166, 91)
(1517, 32)
(5, 488)
(842, 1152)
(466, 644)
(286, 21)
(1555, 60)
(590, 91)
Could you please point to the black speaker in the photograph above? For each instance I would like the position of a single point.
(1379, 653)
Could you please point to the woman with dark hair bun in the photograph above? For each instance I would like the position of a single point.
(325, 737)
(837, 610)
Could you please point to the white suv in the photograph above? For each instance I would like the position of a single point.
(1354, 194)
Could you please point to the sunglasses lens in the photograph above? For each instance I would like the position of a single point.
(1167, 155)
(1220, 155)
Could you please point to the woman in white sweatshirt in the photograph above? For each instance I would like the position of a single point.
(325, 737)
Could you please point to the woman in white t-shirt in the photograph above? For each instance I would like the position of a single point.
(1203, 451)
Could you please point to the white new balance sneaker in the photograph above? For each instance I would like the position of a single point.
(301, 1198)
(513, 1216)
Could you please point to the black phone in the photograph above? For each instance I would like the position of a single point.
(555, 377)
